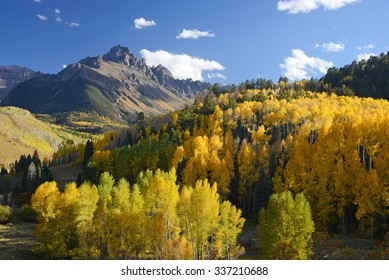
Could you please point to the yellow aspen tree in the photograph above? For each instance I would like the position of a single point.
(177, 157)
(230, 226)
(285, 227)
(179, 249)
(121, 195)
(228, 143)
(67, 219)
(136, 199)
(184, 211)
(137, 232)
(248, 174)
(119, 224)
(102, 215)
(126, 237)
(225, 172)
(197, 165)
(204, 217)
(213, 123)
(174, 119)
(161, 197)
(369, 197)
(216, 167)
(259, 137)
(297, 172)
(321, 193)
(86, 206)
(188, 174)
(46, 203)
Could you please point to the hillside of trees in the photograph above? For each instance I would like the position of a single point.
(22, 133)
(366, 78)
(244, 151)
(254, 143)
(249, 147)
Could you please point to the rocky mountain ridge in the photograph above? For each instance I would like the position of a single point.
(11, 76)
(117, 85)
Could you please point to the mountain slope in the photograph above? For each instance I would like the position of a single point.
(21, 133)
(11, 76)
(117, 85)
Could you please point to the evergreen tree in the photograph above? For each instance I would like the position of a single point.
(79, 179)
(3, 171)
(88, 153)
(22, 165)
(35, 159)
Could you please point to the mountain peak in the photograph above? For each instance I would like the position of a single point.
(122, 55)
(119, 50)
(117, 85)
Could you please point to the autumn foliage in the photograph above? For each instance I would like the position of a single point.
(150, 220)
(180, 180)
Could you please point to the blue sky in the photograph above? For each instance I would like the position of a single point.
(226, 41)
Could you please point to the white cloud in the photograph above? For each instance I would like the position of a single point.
(306, 6)
(64, 66)
(194, 34)
(216, 75)
(72, 24)
(365, 47)
(141, 23)
(300, 66)
(364, 56)
(41, 17)
(57, 17)
(331, 47)
(37, 1)
(182, 66)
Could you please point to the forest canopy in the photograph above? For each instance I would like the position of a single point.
(332, 148)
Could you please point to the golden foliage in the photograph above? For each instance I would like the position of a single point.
(151, 219)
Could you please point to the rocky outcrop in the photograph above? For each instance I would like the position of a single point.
(11, 76)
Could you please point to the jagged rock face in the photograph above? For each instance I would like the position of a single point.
(117, 85)
(184, 88)
(11, 76)
(123, 55)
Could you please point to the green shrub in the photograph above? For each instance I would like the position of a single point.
(24, 214)
(5, 213)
